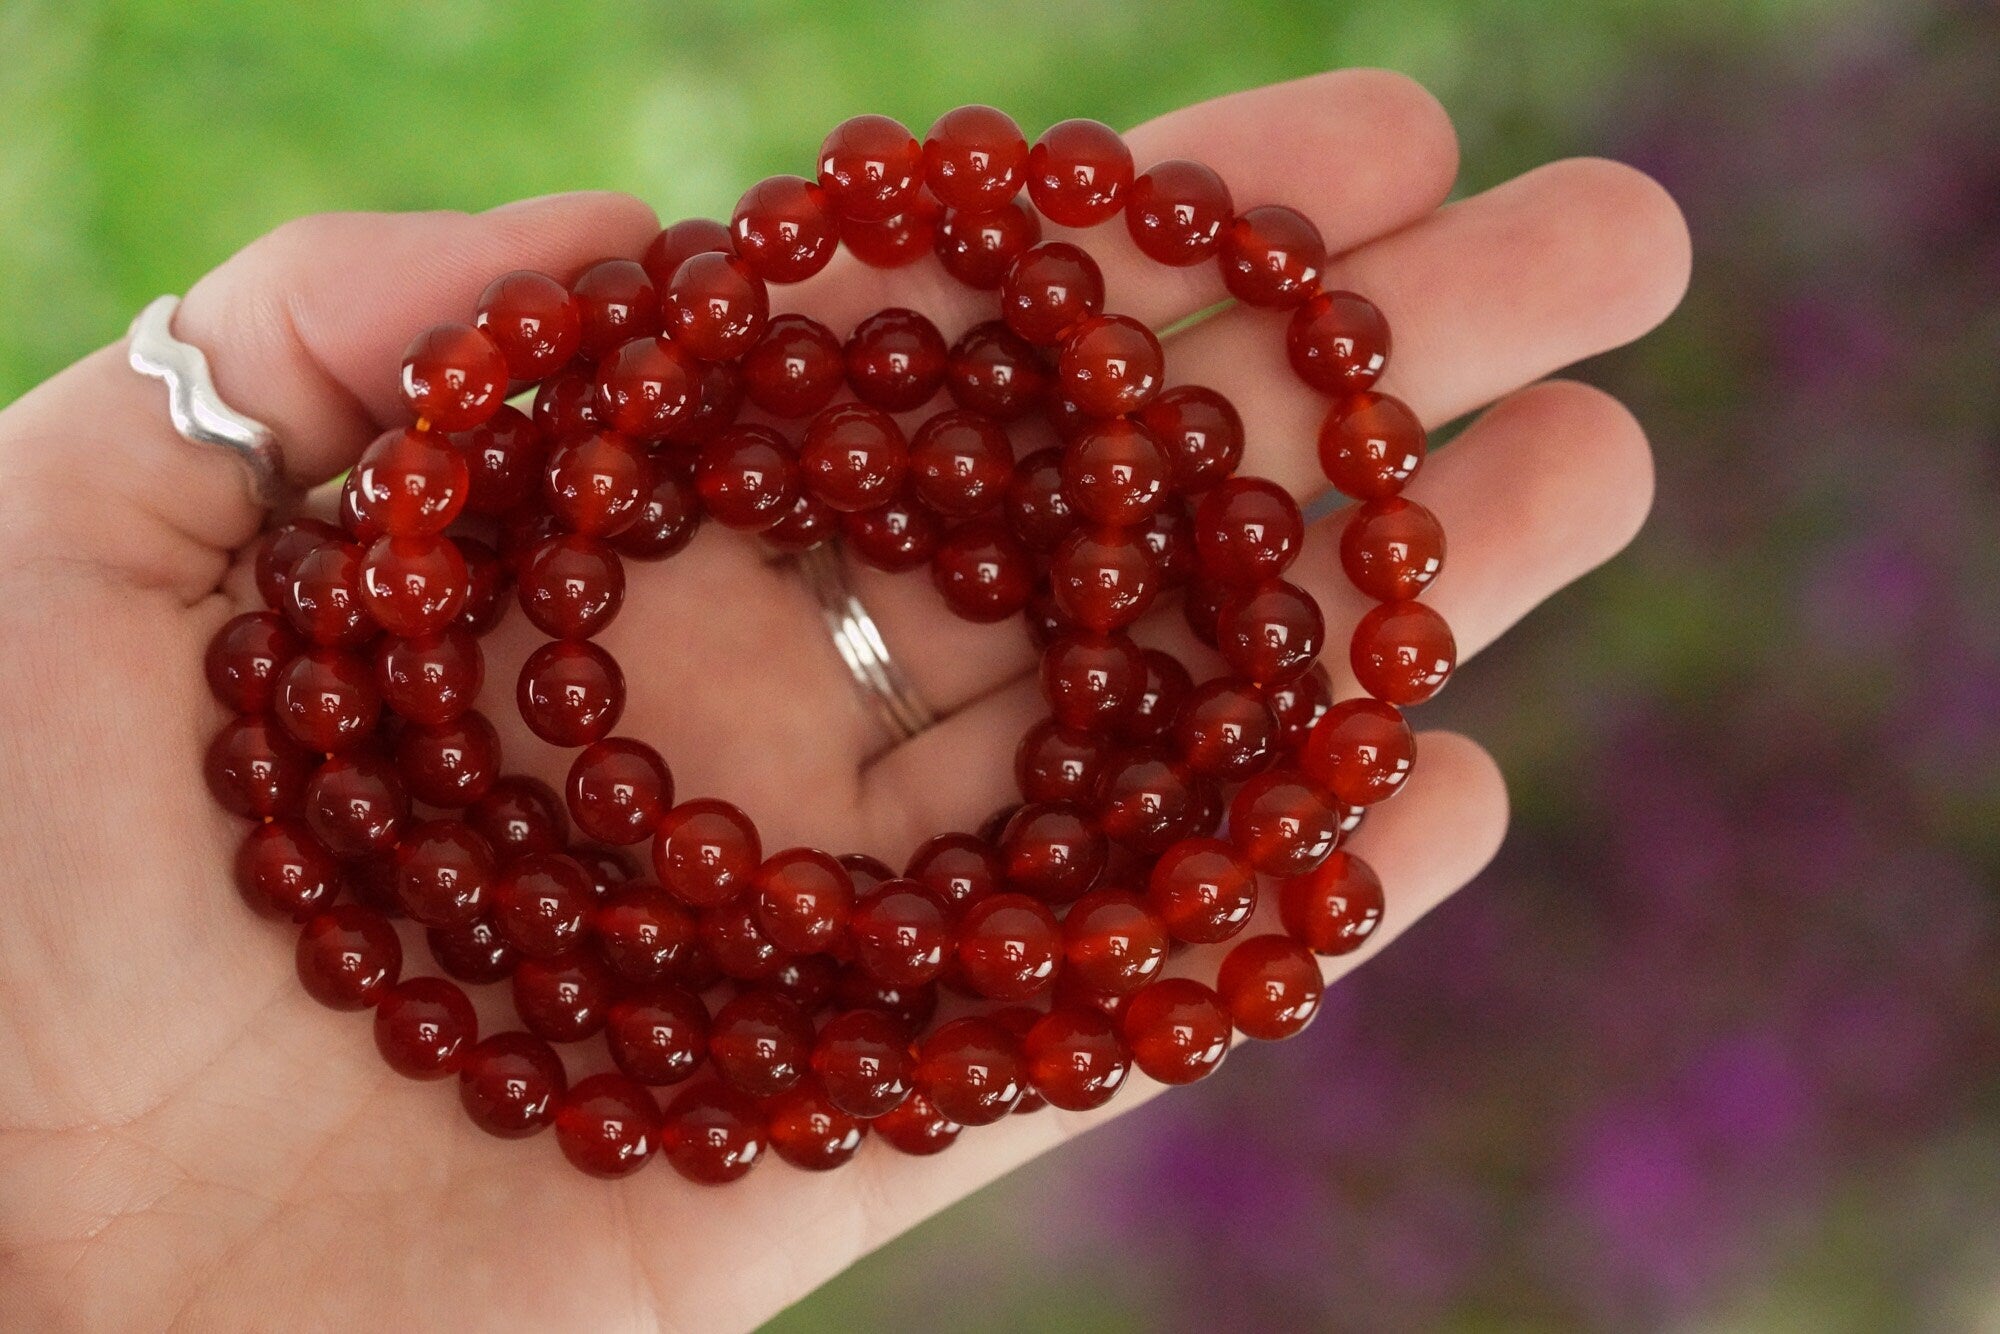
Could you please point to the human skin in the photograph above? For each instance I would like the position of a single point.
(187, 1139)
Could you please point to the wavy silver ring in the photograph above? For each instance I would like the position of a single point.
(859, 640)
(198, 412)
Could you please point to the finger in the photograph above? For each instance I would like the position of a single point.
(1362, 152)
(1543, 488)
(303, 330)
(1486, 295)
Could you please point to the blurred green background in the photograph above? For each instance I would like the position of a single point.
(1713, 1046)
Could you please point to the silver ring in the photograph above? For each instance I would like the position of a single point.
(859, 641)
(198, 412)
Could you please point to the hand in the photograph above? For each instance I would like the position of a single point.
(185, 1135)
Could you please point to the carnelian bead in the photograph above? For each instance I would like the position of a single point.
(1038, 507)
(1177, 211)
(643, 933)
(863, 1061)
(356, 804)
(975, 157)
(719, 394)
(960, 463)
(509, 1084)
(1045, 621)
(979, 248)
(1225, 730)
(610, 869)
(1110, 365)
(485, 585)
(1050, 290)
(809, 1131)
(504, 460)
(1092, 681)
(1168, 536)
(570, 693)
(732, 945)
(1362, 751)
(1247, 530)
(424, 1026)
(1271, 256)
(795, 368)
(853, 456)
(1079, 172)
(1201, 432)
(442, 873)
(247, 659)
(566, 405)
(519, 534)
(565, 998)
(1167, 684)
(1116, 473)
(476, 953)
(1201, 606)
(659, 1036)
(760, 1042)
(414, 585)
(784, 229)
(1333, 908)
(803, 899)
(1103, 578)
(1370, 445)
(715, 308)
(541, 901)
(1392, 548)
(1052, 851)
(519, 815)
(1284, 823)
(713, 1133)
(595, 484)
(898, 536)
(706, 852)
(1146, 799)
(449, 764)
(984, 574)
(608, 1125)
(1270, 632)
(453, 377)
(901, 933)
(1113, 942)
(808, 523)
(1271, 986)
(1337, 342)
(915, 1127)
(895, 360)
(679, 242)
(1203, 890)
(322, 600)
(669, 514)
(747, 477)
(1075, 1057)
(571, 586)
(431, 678)
(618, 790)
(869, 873)
(993, 370)
(1402, 652)
(284, 872)
(532, 320)
(970, 1071)
(959, 868)
(647, 387)
(903, 238)
(281, 549)
(870, 168)
(1299, 703)
(1009, 946)
(1177, 1029)
(348, 956)
(616, 302)
(326, 699)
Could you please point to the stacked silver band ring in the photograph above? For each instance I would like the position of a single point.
(859, 641)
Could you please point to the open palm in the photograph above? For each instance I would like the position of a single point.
(183, 1133)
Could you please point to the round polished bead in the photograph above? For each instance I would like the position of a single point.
(1113, 942)
(970, 1071)
(993, 370)
(1247, 530)
(960, 463)
(1053, 763)
(348, 956)
(1168, 536)
(1050, 290)
(1333, 908)
(571, 586)
(423, 1027)
(1270, 632)
(284, 872)
(1203, 890)
(1079, 173)
(706, 851)
(485, 586)
(1201, 605)
(322, 600)
(900, 239)
(643, 933)
(959, 868)
(519, 815)
(647, 387)
(1299, 703)
(760, 1042)
(901, 933)
(1116, 473)
(1337, 342)
(803, 899)
(1037, 505)
(450, 764)
(895, 360)
(1284, 823)
(1110, 365)
(1362, 751)
(1009, 946)
(809, 1131)
(618, 790)
(659, 1036)
(669, 514)
(979, 248)
(736, 945)
(713, 1134)
(1103, 578)
(326, 699)
(246, 660)
(983, 572)
(748, 477)
(509, 1084)
(1225, 730)
(356, 804)
(1201, 432)
(280, 549)
(807, 524)
(1392, 549)
(1271, 986)
(1146, 799)
(570, 693)
(432, 678)
(414, 585)
(1092, 682)
(853, 456)
(443, 873)
(566, 404)
(532, 320)
(681, 241)
(566, 998)
(504, 460)
(975, 157)
(541, 902)
(1177, 1029)
(715, 307)
(611, 869)
(718, 403)
(453, 377)
(1076, 1058)
(1176, 212)
(1052, 851)
(608, 1125)
(1370, 445)
(897, 537)
(595, 484)
(475, 953)
(784, 229)
(616, 302)
(863, 1061)
(1402, 652)
(1271, 256)
(1153, 712)
(795, 368)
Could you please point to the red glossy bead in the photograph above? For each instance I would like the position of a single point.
(748, 477)
(1271, 986)
(1044, 620)
(432, 678)
(608, 1125)
(681, 241)
(1115, 473)
(808, 523)
(414, 585)
(1159, 701)
(1338, 342)
(669, 514)
(1271, 256)
(975, 157)
(611, 869)
(713, 1133)
(895, 360)
(485, 586)
(541, 902)
(1203, 890)
(504, 460)
(564, 998)
(533, 320)
(903, 238)
(247, 658)
(1110, 365)
(1200, 431)
(1092, 682)
(443, 873)
(453, 377)
(735, 946)
(519, 815)
(1284, 823)
(868, 872)
(566, 405)
(618, 790)
(1299, 703)
(853, 456)
(1225, 730)
(281, 549)
(760, 1042)
(1370, 445)
(1333, 908)
(970, 1071)
(326, 699)
(795, 368)
(356, 804)
(715, 308)
(509, 1084)
(647, 387)
(476, 953)
(1103, 578)
(348, 956)
(616, 302)
(902, 933)
(983, 573)
(1076, 1057)
(1052, 850)
(449, 764)
(979, 247)
(1146, 799)
(1247, 530)
(870, 167)
(1176, 212)
(1177, 1029)
(1009, 946)
(960, 463)
(595, 484)
(284, 872)
(659, 1036)
(323, 599)
(994, 371)
(718, 402)
(898, 536)
(571, 586)
(809, 1131)
(1392, 549)
(784, 229)
(1050, 290)
(1037, 505)
(1402, 652)
(1270, 632)
(959, 868)
(917, 1128)
(1113, 942)
(1362, 751)
(423, 1028)
(1201, 605)
(643, 933)
(706, 852)
(803, 899)
(570, 693)
(863, 1061)
(1079, 173)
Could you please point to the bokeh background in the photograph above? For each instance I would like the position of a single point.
(1715, 1044)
